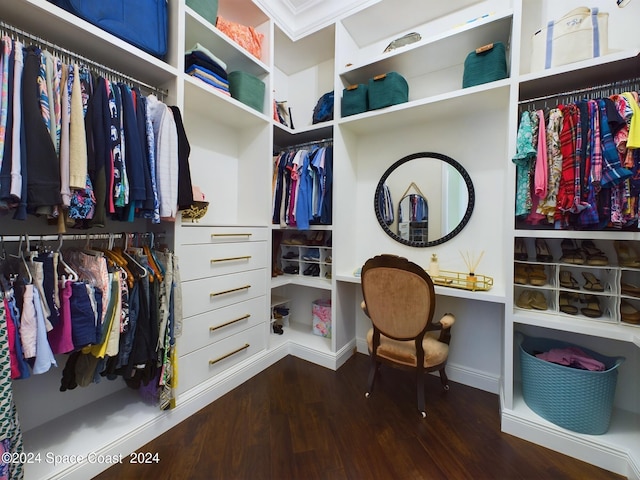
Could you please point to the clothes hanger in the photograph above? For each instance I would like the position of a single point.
(73, 276)
(21, 256)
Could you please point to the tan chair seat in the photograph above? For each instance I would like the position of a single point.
(404, 352)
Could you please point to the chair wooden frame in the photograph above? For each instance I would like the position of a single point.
(392, 286)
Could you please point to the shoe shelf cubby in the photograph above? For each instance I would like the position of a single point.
(306, 260)
(578, 279)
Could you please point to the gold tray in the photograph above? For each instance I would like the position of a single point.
(464, 281)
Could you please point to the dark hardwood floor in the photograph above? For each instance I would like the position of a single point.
(297, 420)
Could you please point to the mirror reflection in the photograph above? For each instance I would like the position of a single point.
(424, 199)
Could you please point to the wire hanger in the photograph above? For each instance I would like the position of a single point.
(73, 275)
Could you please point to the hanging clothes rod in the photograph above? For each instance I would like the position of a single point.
(77, 236)
(325, 142)
(4, 27)
(632, 82)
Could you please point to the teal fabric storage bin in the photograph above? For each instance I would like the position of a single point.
(208, 9)
(575, 399)
(247, 89)
(354, 100)
(386, 90)
(485, 64)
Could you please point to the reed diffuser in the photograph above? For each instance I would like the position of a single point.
(471, 262)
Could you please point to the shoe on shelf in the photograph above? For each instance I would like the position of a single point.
(629, 313)
(565, 304)
(627, 256)
(317, 238)
(520, 274)
(592, 310)
(532, 299)
(571, 253)
(630, 289)
(592, 283)
(277, 329)
(594, 255)
(524, 300)
(520, 250)
(567, 280)
(543, 254)
(312, 255)
(291, 254)
(291, 269)
(537, 275)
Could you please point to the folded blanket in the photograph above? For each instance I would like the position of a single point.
(572, 357)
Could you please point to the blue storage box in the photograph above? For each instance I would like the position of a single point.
(578, 400)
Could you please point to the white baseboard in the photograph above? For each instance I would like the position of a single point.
(617, 459)
(485, 381)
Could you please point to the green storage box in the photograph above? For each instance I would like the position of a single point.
(247, 89)
(208, 9)
(485, 64)
(354, 100)
(386, 90)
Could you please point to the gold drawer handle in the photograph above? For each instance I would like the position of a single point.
(231, 322)
(231, 234)
(246, 287)
(219, 359)
(230, 259)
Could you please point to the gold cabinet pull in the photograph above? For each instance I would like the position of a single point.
(230, 259)
(215, 294)
(238, 350)
(230, 322)
(231, 235)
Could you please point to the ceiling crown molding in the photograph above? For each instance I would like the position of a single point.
(299, 18)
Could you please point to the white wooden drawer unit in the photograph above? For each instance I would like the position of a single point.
(206, 260)
(203, 364)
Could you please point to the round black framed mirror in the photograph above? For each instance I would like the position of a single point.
(419, 219)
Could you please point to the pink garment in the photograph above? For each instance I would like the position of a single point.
(541, 173)
(60, 337)
(542, 167)
(28, 323)
(572, 357)
(11, 334)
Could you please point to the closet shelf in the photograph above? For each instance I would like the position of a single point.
(207, 102)
(489, 96)
(578, 234)
(439, 52)
(620, 437)
(372, 25)
(609, 68)
(614, 331)
(199, 30)
(68, 31)
(285, 137)
(315, 282)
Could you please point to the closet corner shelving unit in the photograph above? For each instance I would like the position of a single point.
(619, 447)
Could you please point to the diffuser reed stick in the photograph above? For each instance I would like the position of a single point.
(472, 262)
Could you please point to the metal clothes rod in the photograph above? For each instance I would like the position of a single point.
(635, 82)
(323, 142)
(161, 93)
(76, 236)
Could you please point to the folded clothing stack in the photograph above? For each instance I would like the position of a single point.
(200, 63)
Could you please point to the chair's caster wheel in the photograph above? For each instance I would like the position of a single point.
(367, 395)
(424, 414)
(446, 388)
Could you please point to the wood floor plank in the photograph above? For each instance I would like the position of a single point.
(299, 421)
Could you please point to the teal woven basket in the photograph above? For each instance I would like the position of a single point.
(208, 9)
(485, 64)
(354, 100)
(247, 89)
(575, 399)
(386, 90)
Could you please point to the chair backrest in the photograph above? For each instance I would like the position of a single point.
(399, 296)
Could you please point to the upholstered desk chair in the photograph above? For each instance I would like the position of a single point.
(399, 299)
